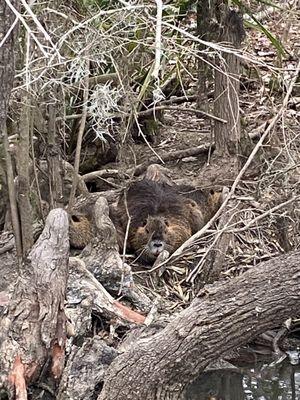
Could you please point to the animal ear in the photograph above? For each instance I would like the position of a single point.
(191, 203)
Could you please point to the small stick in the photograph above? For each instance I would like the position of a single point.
(12, 195)
(79, 139)
(182, 109)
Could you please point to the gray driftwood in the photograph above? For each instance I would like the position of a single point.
(85, 370)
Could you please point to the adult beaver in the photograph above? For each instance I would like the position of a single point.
(162, 217)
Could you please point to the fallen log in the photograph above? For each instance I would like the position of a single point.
(225, 316)
(141, 168)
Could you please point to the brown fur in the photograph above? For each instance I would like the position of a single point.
(80, 231)
(162, 217)
(207, 202)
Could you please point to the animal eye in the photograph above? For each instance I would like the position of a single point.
(144, 223)
(167, 222)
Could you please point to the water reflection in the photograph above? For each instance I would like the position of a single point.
(260, 383)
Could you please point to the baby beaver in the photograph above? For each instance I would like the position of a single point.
(162, 217)
(80, 231)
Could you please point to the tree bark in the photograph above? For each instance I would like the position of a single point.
(32, 330)
(7, 59)
(22, 163)
(206, 28)
(7, 73)
(223, 317)
(226, 105)
(54, 160)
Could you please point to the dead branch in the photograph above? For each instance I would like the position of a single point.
(82, 285)
(103, 173)
(176, 155)
(79, 138)
(182, 109)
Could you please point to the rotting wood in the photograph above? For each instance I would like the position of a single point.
(141, 168)
(85, 370)
(82, 285)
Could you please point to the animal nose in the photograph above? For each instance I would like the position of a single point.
(157, 246)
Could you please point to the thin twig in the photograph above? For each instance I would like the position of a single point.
(263, 215)
(79, 139)
(182, 109)
(155, 72)
(12, 196)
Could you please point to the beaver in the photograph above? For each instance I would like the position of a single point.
(162, 217)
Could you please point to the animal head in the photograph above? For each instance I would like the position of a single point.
(156, 234)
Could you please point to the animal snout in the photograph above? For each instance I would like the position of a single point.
(156, 246)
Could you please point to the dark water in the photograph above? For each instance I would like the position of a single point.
(267, 382)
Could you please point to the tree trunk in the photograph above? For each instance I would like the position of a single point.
(7, 60)
(22, 163)
(226, 105)
(226, 316)
(206, 28)
(7, 73)
(32, 329)
(54, 160)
